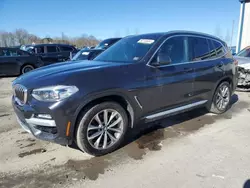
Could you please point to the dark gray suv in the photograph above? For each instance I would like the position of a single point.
(140, 78)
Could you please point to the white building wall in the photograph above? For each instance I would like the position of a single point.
(245, 40)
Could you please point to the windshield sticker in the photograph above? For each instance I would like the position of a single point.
(85, 53)
(145, 41)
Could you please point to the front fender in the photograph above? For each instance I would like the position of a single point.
(132, 106)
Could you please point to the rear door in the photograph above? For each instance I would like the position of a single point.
(49, 53)
(65, 52)
(208, 63)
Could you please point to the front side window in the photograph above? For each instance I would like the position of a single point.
(51, 49)
(175, 49)
(244, 53)
(129, 49)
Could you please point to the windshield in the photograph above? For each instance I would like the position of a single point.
(129, 49)
(81, 55)
(244, 53)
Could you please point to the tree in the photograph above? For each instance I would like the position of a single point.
(22, 37)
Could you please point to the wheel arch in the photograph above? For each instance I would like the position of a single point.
(120, 98)
(227, 79)
(224, 79)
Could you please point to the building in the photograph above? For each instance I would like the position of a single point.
(243, 39)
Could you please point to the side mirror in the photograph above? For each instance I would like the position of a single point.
(162, 59)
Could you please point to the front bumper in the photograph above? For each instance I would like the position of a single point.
(53, 130)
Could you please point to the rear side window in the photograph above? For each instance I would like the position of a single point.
(1, 52)
(9, 53)
(199, 49)
(220, 50)
(65, 49)
(175, 48)
(51, 49)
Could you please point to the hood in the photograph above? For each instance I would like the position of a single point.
(243, 62)
(60, 71)
(245, 66)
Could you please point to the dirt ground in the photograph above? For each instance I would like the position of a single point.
(194, 149)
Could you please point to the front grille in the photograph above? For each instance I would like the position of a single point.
(20, 93)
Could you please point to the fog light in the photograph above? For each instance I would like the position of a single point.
(43, 116)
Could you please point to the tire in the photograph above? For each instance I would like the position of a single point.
(214, 107)
(84, 132)
(26, 68)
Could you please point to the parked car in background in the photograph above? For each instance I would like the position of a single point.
(14, 61)
(243, 58)
(105, 44)
(140, 78)
(51, 53)
(233, 50)
(89, 54)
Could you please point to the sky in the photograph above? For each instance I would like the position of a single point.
(118, 18)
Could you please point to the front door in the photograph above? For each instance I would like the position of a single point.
(171, 85)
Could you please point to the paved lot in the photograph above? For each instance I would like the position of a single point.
(194, 149)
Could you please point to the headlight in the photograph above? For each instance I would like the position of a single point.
(54, 93)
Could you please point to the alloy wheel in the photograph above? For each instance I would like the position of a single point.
(223, 97)
(105, 129)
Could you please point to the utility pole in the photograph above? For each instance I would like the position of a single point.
(232, 35)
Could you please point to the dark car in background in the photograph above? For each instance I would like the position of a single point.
(51, 53)
(105, 44)
(140, 78)
(89, 54)
(233, 50)
(14, 61)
